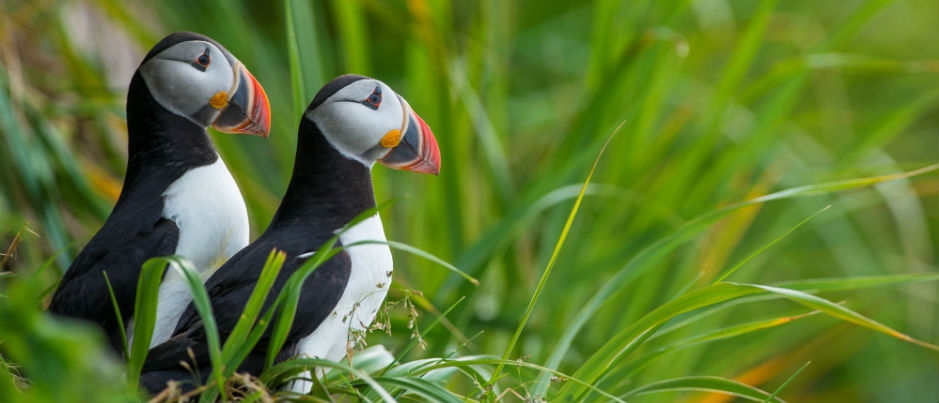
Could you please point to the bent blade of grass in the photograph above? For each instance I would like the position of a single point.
(813, 286)
(791, 377)
(645, 259)
(554, 255)
(237, 346)
(430, 390)
(707, 337)
(223, 363)
(289, 298)
(145, 310)
(239, 334)
(200, 299)
(427, 255)
(463, 363)
(769, 244)
(709, 384)
(840, 312)
(299, 365)
(629, 338)
(373, 359)
(117, 311)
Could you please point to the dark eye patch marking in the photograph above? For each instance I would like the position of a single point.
(374, 99)
(203, 61)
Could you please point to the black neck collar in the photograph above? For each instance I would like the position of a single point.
(326, 190)
(161, 143)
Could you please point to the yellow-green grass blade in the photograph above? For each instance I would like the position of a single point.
(239, 342)
(707, 337)
(200, 300)
(706, 383)
(119, 318)
(554, 255)
(286, 303)
(629, 339)
(289, 297)
(761, 249)
(840, 312)
(298, 94)
(645, 259)
(415, 387)
(791, 377)
(287, 368)
(469, 361)
(145, 309)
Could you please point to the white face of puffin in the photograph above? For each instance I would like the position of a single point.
(197, 80)
(367, 121)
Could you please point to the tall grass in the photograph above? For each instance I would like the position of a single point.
(764, 225)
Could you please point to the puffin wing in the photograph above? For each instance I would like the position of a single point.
(229, 289)
(83, 292)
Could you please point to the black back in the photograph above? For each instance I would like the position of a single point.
(162, 146)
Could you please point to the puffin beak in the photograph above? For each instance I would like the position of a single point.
(247, 111)
(417, 150)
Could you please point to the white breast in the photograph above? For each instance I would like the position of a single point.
(207, 206)
(368, 284)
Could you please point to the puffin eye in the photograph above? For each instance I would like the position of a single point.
(203, 61)
(374, 100)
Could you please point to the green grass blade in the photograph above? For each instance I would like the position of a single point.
(853, 283)
(145, 309)
(426, 255)
(707, 337)
(629, 339)
(766, 246)
(783, 386)
(290, 296)
(117, 311)
(354, 31)
(554, 255)
(706, 383)
(469, 361)
(427, 390)
(237, 346)
(298, 94)
(840, 312)
(200, 299)
(658, 249)
(299, 365)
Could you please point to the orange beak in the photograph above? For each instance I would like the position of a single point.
(418, 150)
(248, 111)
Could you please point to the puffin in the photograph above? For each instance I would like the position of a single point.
(178, 197)
(352, 123)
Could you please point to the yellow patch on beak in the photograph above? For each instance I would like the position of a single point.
(219, 100)
(391, 139)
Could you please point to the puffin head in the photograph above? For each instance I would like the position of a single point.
(366, 121)
(195, 77)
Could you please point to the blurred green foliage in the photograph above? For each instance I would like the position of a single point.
(723, 100)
